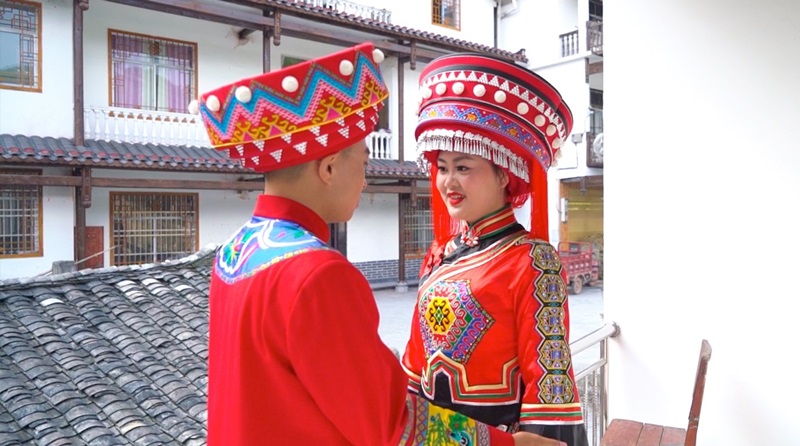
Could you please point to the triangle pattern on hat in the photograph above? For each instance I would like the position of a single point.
(515, 90)
(461, 76)
(494, 81)
(340, 121)
(277, 154)
(472, 77)
(504, 86)
(301, 147)
(360, 113)
(240, 149)
(287, 138)
(259, 144)
(322, 140)
(314, 130)
(345, 132)
(525, 95)
(361, 125)
(484, 79)
(255, 160)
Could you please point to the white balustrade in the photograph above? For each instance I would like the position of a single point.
(380, 145)
(144, 126)
(346, 7)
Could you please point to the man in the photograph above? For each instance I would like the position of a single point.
(295, 357)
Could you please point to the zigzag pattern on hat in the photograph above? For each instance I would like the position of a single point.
(364, 88)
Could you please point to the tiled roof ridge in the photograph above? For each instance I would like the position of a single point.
(398, 30)
(204, 254)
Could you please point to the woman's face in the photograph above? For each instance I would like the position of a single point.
(470, 186)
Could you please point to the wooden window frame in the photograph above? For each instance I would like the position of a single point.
(38, 87)
(411, 241)
(438, 4)
(40, 227)
(112, 212)
(110, 79)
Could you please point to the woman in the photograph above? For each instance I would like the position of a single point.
(489, 334)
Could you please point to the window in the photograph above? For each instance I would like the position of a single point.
(447, 13)
(596, 10)
(418, 226)
(20, 217)
(20, 45)
(151, 73)
(596, 102)
(150, 227)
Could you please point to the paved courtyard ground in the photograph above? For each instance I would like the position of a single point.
(396, 310)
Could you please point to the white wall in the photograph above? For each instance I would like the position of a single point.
(700, 213)
(221, 212)
(48, 113)
(58, 212)
(372, 232)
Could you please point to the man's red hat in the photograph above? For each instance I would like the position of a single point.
(500, 111)
(297, 114)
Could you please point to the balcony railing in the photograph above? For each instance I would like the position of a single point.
(380, 145)
(569, 43)
(592, 381)
(594, 36)
(144, 126)
(344, 6)
(153, 127)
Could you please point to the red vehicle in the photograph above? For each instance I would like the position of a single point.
(579, 261)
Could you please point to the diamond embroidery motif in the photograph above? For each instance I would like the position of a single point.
(277, 155)
(451, 319)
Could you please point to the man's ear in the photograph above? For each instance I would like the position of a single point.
(325, 167)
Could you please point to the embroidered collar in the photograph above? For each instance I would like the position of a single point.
(487, 226)
(272, 206)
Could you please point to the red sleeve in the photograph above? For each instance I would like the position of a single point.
(414, 356)
(334, 326)
(545, 358)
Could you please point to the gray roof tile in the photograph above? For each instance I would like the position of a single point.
(121, 360)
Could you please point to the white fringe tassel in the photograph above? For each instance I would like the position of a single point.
(471, 144)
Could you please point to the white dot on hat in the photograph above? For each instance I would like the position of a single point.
(556, 143)
(346, 67)
(377, 55)
(194, 107)
(440, 89)
(523, 108)
(539, 120)
(243, 94)
(479, 90)
(500, 96)
(427, 93)
(550, 130)
(290, 84)
(212, 102)
(458, 88)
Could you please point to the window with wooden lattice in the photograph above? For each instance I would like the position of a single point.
(418, 226)
(150, 227)
(151, 73)
(20, 217)
(20, 45)
(446, 13)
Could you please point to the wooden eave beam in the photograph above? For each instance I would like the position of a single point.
(196, 10)
(79, 181)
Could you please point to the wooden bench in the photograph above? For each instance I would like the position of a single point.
(622, 432)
